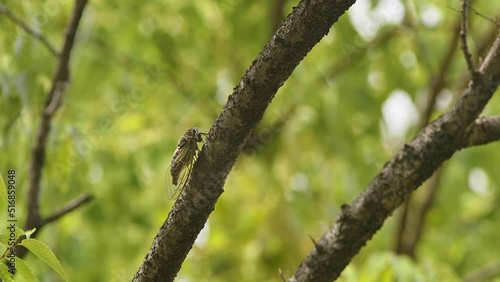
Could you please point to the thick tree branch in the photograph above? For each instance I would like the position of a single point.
(303, 28)
(30, 30)
(54, 98)
(416, 162)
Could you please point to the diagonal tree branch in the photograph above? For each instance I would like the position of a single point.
(303, 28)
(416, 162)
(54, 98)
(30, 30)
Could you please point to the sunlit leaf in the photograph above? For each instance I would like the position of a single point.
(45, 253)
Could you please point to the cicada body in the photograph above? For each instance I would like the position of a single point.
(182, 162)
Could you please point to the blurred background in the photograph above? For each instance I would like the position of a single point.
(143, 72)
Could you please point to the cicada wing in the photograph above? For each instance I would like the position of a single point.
(174, 190)
(180, 168)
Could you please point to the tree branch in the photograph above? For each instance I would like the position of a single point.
(54, 98)
(30, 30)
(276, 14)
(419, 214)
(484, 273)
(303, 28)
(69, 207)
(495, 22)
(438, 80)
(406, 239)
(413, 164)
(356, 53)
(463, 38)
(485, 130)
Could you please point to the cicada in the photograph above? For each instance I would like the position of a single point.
(182, 161)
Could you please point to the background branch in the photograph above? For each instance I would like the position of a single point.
(495, 22)
(69, 207)
(485, 273)
(276, 14)
(406, 240)
(54, 98)
(437, 80)
(30, 30)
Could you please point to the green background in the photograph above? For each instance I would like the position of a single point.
(142, 72)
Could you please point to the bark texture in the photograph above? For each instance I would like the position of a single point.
(413, 164)
(303, 28)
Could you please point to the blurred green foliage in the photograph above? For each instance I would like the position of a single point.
(144, 72)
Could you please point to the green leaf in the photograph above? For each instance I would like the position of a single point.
(45, 253)
(4, 239)
(3, 190)
(25, 271)
(5, 275)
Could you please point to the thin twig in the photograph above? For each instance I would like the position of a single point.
(276, 14)
(483, 16)
(26, 27)
(69, 207)
(400, 246)
(484, 273)
(350, 59)
(312, 239)
(52, 103)
(432, 188)
(405, 240)
(59, 91)
(304, 27)
(281, 275)
(463, 39)
(486, 39)
(438, 80)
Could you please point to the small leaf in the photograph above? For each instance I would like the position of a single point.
(5, 275)
(25, 271)
(3, 190)
(45, 253)
(4, 239)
